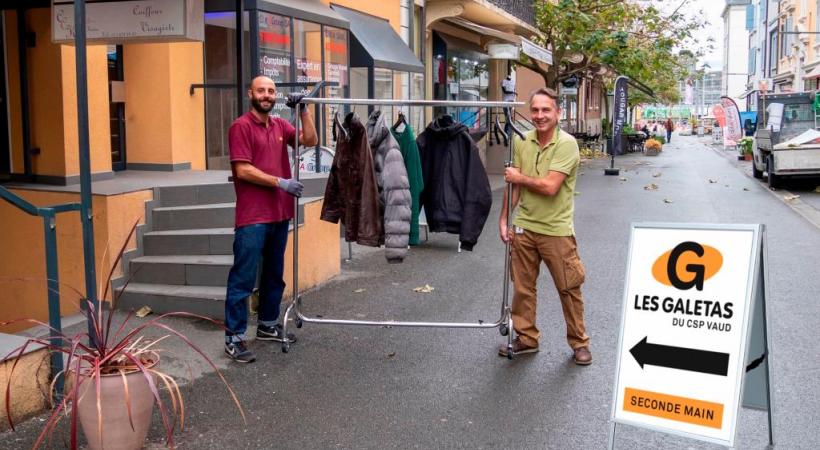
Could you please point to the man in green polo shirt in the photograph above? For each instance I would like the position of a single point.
(545, 166)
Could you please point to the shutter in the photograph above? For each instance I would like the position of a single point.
(750, 17)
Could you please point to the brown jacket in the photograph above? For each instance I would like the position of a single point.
(351, 193)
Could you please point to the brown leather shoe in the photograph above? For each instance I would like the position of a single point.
(582, 356)
(518, 348)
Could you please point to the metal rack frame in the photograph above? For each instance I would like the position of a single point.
(504, 322)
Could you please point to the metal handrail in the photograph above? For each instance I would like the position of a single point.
(48, 213)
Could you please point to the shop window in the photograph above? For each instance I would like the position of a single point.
(336, 67)
(417, 93)
(307, 54)
(358, 89)
(383, 87)
(275, 55)
(220, 68)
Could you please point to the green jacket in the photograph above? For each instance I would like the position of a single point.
(412, 162)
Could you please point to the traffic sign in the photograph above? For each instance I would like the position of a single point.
(689, 295)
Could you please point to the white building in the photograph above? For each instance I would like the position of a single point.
(735, 51)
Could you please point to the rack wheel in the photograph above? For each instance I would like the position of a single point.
(285, 347)
(509, 352)
(503, 329)
(298, 323)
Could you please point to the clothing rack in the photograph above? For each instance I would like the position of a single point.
(504, 322)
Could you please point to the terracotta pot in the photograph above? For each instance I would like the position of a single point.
(747, 156)
(116, 428)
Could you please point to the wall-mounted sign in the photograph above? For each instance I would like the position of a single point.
(131, 21)
(689, 293)
(503, 51)
(536, 52)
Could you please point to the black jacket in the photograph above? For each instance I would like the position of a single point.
(456, 196)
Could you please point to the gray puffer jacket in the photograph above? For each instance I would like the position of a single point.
(394, 187)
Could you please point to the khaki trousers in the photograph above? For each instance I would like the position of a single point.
(560, 254)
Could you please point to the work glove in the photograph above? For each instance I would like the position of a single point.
(291, 186)
(293, 99)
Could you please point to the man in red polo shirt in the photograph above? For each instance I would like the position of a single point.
(264, 206)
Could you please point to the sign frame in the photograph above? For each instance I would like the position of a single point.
(756, 292)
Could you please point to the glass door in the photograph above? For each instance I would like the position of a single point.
(116, 94)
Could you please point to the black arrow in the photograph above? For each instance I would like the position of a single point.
(680, 358)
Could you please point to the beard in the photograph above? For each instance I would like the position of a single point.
(257, 105)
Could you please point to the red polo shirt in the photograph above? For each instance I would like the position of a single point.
(266, 148)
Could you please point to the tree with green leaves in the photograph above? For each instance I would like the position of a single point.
(605, 38)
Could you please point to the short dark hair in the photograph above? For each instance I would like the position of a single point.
(545, 91)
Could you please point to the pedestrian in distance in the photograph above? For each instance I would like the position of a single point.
(542, 176)
(670, 126)
(265, 189)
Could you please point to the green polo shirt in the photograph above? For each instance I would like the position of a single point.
(541, 213)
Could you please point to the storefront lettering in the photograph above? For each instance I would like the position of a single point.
(146, 11)
(157, 29)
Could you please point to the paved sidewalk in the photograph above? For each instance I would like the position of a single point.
(384, 388)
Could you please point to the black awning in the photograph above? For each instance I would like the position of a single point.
(376, 44)
(312, 10)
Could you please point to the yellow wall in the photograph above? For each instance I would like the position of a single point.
(23, 292)
(386, 9)
(319, 256)
(164, 124)
(29, 386)
(53, 101)
(13, 79)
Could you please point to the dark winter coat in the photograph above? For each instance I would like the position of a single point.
(394, 188)
(351, 194)
(457, 196)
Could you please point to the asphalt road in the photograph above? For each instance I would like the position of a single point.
(383, 388)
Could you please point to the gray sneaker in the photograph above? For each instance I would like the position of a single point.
(274, 333)
(239, 352)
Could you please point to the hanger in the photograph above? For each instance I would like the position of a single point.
(338, 124)
(402, 120)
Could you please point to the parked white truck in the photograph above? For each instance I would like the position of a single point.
(787, 141)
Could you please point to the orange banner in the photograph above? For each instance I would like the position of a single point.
(671, 407)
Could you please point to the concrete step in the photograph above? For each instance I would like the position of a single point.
(189, 270)
(204, 194)
(216, 215)
(203, 241)
(207, 301)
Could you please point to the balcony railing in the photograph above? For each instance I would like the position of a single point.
(520, 9)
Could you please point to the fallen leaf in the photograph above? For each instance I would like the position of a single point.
(426, 289)
(623, 179)
(789, 198)
(712, 180)
(391, 354)
(656, 174)
(817, 189)
(577, 193)
(359, 291)
(650, 187)
(144, 311)
(745, 189)
(666, 200)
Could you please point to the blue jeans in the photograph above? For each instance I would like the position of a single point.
(668, 136)
(250, 243)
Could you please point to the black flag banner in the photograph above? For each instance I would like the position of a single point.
(619, 114)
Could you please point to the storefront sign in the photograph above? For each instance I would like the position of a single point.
(131, 21)
(687, 305)
(503, 51)
(536, 52)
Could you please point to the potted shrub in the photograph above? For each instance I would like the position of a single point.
(112, 377)
(744, 148)
(652, 147)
